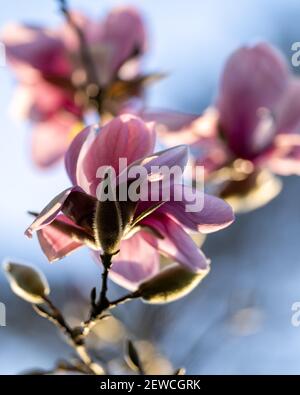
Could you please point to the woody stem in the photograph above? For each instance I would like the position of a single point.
(103, 302)
(86, 57)
(106, 260)
(74, 334)
(123, 299)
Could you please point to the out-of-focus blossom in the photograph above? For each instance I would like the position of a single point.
(61, 77)
(252, 130)
(149, 228)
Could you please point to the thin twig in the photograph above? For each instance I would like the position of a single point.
(60, 366)
(86, 56)
(123, 299)
(88, 325)
(58, 318)
(74, 334)
(103, 303)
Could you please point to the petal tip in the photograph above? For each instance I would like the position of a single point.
(28, 233)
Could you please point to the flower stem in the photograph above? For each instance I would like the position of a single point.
(103, 302)
(86, 57)
(95, 317)
(75, 335)
(56, 317)
(123, 299)
(106, 260)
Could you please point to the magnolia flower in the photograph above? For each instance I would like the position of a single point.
(251, 131)
(148, 228)
(57, 81)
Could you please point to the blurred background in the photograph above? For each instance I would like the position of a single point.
(239, 319)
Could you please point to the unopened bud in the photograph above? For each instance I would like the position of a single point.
(171, 284)
(27, 282)
(108, 226)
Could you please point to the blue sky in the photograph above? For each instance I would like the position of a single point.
(188, 39)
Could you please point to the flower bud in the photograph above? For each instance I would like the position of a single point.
(27, 282)
(171, 284)
(108, 226)
(254, 191)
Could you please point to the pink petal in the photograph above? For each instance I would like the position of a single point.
(124, 32)
(120, 37)
(176, 243)
(286, 166)
(212, 154)
(54, 243)
(136, 262)
(38, 100)
(197, 130)
(170, 120)
(284, 158)
(70, 37)
(51, 211)
(124, 137)
(212, 215)
(79, 207)
(288, 112)
(50, 139)
(81, 177)
(73, 152)
(150, 181)
(175, 156)
(40, 49)
(253, 78)
(50, 99)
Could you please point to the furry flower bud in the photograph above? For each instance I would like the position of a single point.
(27, 282)
(108, 227)
(171, 284)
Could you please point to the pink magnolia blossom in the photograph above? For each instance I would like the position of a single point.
(149, 228)
(256, 116)
(49, 66)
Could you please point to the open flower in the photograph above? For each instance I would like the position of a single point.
(251, 131)
(148, 227)
(60, 76)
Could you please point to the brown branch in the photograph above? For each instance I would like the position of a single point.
(86, 57)
(93, 320)
(75, 336)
